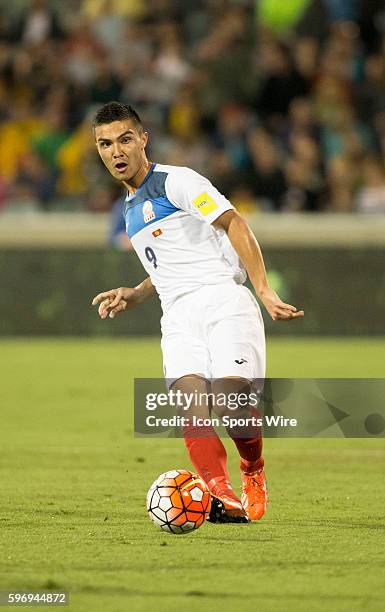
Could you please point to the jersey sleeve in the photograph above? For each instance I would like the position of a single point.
(195, 194)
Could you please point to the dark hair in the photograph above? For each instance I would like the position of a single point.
(116, 111)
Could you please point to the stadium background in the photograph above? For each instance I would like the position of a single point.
(282, 105)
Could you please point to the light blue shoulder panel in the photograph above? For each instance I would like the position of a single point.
(148, 205)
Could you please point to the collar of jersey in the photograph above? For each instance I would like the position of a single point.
(132, 196)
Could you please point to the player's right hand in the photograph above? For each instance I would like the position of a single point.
(278, 310)
(114, 301)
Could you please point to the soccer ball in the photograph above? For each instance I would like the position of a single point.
(178, 501)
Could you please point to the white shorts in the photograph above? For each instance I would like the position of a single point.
(216, 331)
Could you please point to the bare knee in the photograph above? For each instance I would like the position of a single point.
(231, 396)
(193, 395)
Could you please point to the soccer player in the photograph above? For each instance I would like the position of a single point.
(196, 249)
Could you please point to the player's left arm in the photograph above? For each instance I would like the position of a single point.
(248, 250)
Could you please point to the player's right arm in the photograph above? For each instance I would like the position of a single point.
(123, 298)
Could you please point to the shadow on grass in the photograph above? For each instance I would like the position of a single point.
(327, 597)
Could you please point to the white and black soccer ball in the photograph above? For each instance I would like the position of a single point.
(178, 501)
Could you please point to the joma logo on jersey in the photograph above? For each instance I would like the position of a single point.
(148, 212)
(205, 204)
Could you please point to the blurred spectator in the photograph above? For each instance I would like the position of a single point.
(5, 27)
(303, 172)
(98, 9)
(82, 52)
(75, 158)
(16, 133)
(37, 24)
(345, 135)
(281, 83)
(184, 118)
(106, 85)
(342, 179)
(33, 185)
(281, 104)
(371, 196)
(170, 64)
(306, 55)
(46, 146)
(108, 22)
(268, 180)
(300, 120)
(348, 10)
(370, 98)
(232, 123)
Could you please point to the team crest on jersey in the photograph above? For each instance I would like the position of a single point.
(148, 211)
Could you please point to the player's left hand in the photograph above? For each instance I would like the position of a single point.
(278, 310)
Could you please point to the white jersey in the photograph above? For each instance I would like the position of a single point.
(168, 220)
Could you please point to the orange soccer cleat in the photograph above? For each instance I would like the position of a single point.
(254, 494)
(225, 505)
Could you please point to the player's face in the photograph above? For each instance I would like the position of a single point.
(122, 148)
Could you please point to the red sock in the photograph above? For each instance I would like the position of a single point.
(250, 451)
(249, 448)
(209, 457)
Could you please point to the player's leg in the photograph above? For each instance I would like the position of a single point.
(238, 404)
(206, 450)
(237, 350)
(186, 362)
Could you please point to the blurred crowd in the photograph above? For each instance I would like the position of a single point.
(281, 105)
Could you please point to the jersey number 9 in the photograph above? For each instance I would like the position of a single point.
(149, 252)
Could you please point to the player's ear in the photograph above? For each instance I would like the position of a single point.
(144, 139)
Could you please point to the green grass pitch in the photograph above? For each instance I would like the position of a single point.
(73, 484)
